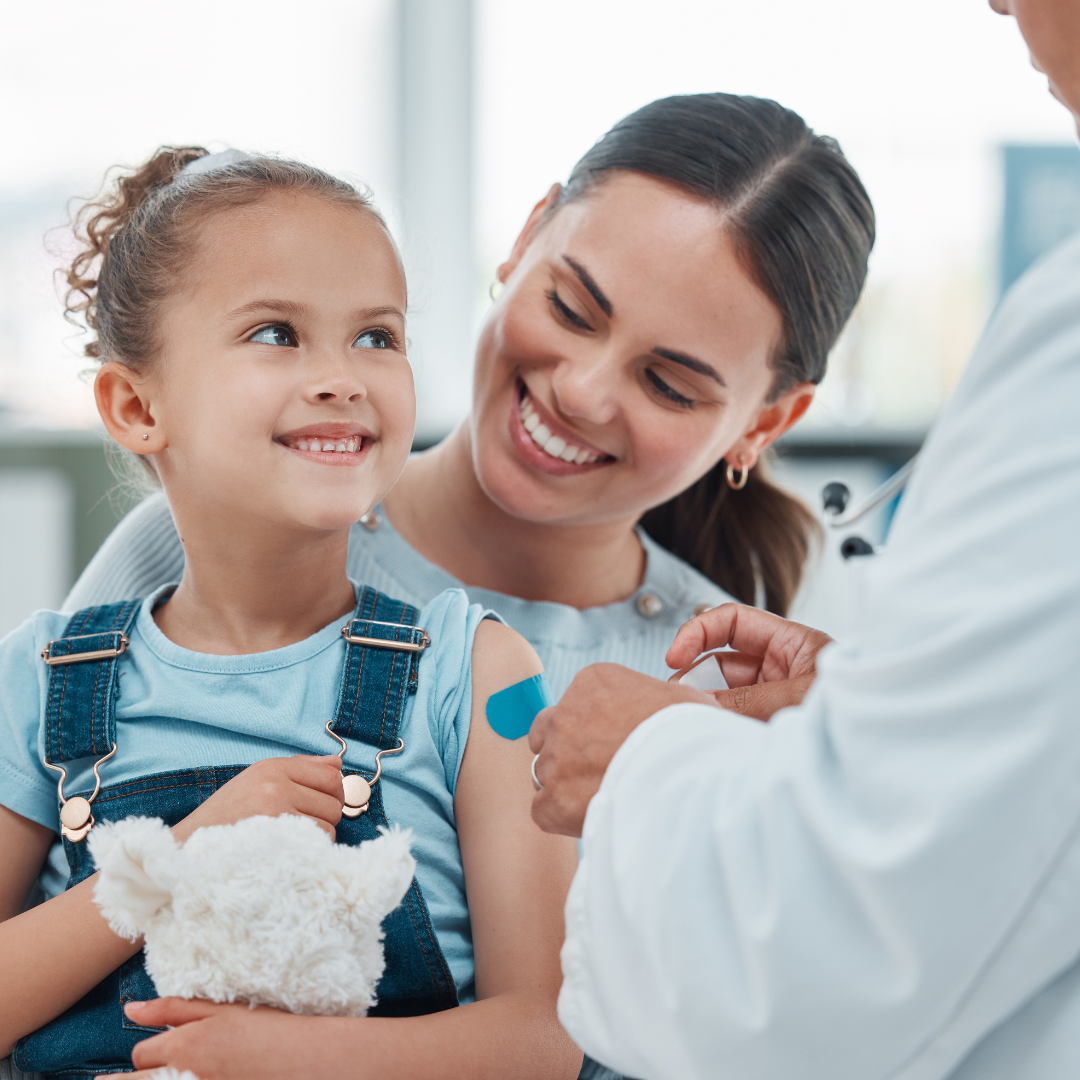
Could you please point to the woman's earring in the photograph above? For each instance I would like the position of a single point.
(145, 436)
(744, 475)
(494, 289)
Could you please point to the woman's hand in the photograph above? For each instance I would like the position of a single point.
(303, 784)
(772, 667)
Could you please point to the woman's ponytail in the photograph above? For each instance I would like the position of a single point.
(748, 542)
(803, 227)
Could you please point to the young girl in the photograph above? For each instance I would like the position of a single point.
(249, 320)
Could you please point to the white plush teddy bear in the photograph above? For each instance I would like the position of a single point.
(269, 911)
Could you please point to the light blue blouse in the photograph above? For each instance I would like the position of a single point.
(144, 551)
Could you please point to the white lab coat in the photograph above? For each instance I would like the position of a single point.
(885, 881)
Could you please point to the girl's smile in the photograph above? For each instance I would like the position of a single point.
(329, 444)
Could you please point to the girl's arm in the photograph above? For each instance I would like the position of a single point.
(517, 879)
(56, 952)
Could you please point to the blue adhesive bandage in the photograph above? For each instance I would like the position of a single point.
(511, 712)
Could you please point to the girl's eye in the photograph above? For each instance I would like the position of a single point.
(671, 395)
(278, 334)
(373, 339)
(566, 313)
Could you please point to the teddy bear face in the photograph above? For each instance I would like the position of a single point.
(269, 910)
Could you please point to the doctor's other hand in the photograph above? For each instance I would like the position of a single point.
(577, 738)
(774, 661)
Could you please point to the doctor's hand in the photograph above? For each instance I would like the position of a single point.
(577, 738)
(772, 667)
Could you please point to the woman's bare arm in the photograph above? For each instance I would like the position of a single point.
(517, 879)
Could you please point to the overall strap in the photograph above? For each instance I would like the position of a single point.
(384, 647)
(80, 709)
(381, 667)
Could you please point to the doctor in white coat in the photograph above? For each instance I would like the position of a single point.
(883, 881)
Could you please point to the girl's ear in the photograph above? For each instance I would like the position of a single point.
(124, 405)
(528, 232)
(770, 423)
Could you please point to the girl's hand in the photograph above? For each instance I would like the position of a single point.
(772, 667)
(305, 785)
(228, 1042)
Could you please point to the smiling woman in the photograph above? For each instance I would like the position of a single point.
(664, 319)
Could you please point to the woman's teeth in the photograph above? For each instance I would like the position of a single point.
(552, 444)
(327, 446)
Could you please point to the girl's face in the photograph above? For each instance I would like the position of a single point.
(627, 354)
(283, 392)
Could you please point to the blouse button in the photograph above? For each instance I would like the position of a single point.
(649, 605)
(370, 521)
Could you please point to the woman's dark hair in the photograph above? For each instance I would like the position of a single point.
(803, 226)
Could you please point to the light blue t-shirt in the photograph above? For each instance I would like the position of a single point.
(236, 710)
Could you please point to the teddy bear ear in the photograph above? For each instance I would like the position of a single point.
(136, 860)
(391, 867)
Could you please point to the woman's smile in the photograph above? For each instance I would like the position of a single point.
(546, 443)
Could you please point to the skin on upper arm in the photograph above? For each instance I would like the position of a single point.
(24, 846)
(517, 877)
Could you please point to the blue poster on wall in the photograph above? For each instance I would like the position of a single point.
(1042, 204)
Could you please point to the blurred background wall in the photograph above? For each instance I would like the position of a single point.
(460, 114)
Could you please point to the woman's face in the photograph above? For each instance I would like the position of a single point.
(627, 353)
(283, 394)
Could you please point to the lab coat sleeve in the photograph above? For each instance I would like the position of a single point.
(866, 886)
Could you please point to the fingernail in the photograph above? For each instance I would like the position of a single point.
(133, 1007)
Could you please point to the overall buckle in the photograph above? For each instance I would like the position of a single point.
(83, 657)
(383, 643)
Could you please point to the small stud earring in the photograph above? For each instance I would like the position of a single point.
(145, 436)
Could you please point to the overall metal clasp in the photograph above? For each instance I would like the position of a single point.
(82, 657)
(382, 643)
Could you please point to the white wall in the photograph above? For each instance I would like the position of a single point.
(35, 542)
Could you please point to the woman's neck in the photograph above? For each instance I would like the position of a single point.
(439, 507)
(256, 588)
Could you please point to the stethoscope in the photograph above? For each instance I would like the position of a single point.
(836, 496)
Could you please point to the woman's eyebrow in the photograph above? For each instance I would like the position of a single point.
(688, 361)
(586, 279)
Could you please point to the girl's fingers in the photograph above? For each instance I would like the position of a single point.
(321, 774)
(170, 1011)
(315, 804)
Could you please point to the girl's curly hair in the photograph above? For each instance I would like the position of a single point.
(137, 238)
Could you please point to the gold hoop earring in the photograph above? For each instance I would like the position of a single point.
(744, 475)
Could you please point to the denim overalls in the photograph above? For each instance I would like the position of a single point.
(94, 1036)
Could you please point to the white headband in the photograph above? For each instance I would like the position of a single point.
(211, 162)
